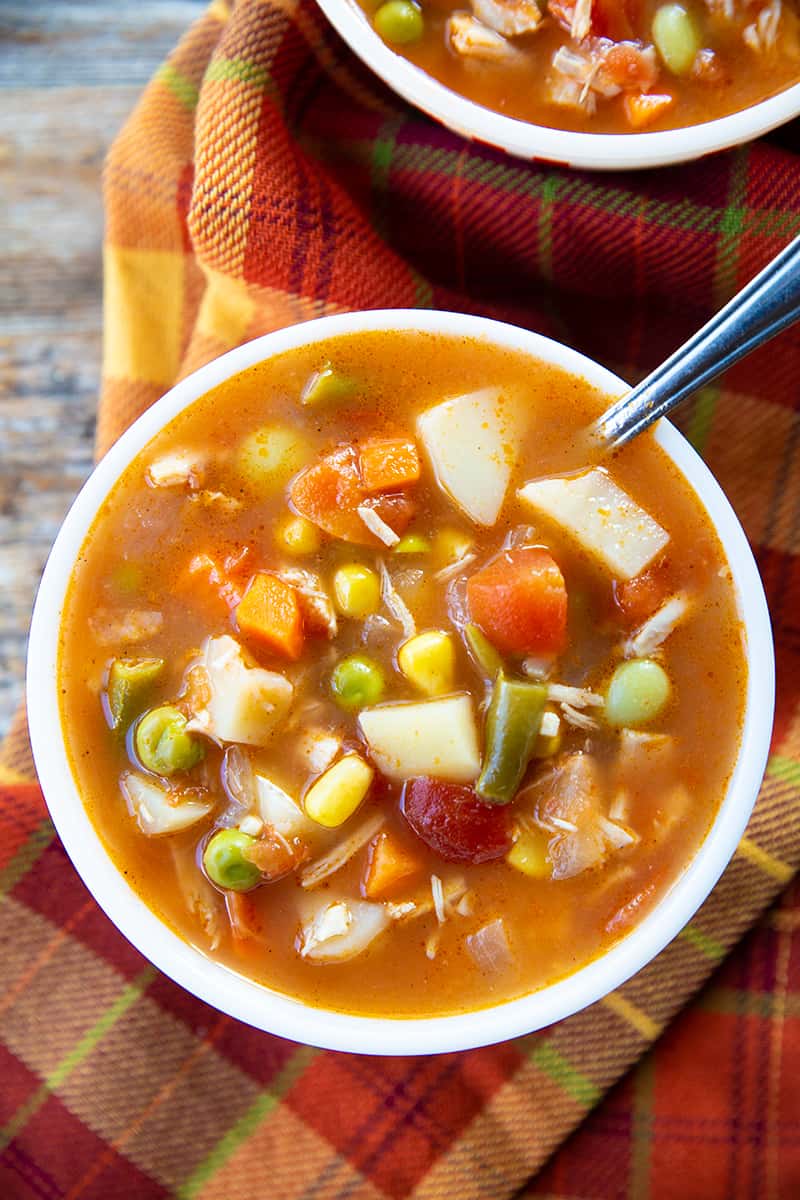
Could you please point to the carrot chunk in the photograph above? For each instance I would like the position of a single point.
(389, 863)
(388, 463)
(644, 108)
(270, 615)
(520, 602)
(330, 491)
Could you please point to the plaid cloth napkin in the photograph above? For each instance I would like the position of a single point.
(266, 178)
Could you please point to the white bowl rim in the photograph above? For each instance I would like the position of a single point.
(595, 151)
(279, 1014)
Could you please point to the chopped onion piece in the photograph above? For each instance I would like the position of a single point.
(581, 19)
(251, 825)
(395, 602)
(200, 898)
(618, 809)
(237, 778)
(538, 666)
(342, 852)
(280, 812)
(489, 947)
(375, 524)
(550, 725)
(657, 628)
(432, 944)
(561, 823)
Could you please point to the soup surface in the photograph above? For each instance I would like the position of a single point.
(376, 699)
(605, 66)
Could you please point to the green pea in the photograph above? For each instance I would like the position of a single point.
(162, 743)
(225, 862)
(637, 693)
(676, 37)
(399, 22)
(129, 682)
(356, 682)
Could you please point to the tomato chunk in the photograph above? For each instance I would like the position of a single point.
(454, 823)
(520, 602)
(638, 598)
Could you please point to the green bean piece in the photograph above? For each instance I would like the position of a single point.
(327, 386)
(512, 726)
(225, 861)
(637, 693)
(127, 577)
(162, 743)
(676, 37)
(482, 650)
(399, 22)
(130, 681)
(356, 682)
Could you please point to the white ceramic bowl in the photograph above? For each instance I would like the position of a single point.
(289, 1018)
(598, 151)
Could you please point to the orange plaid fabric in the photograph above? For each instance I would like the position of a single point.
(265, 178)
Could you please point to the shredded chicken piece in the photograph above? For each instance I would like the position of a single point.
(432, 943)
(322, 868)
(453, 891)
(455, 568)
(220, 501)
(573, 716)
(438, 899)
(606, 68)
(564, 693)
(395, 602)
(316, 606)
(618, 835)
(122, 628)
(581, 19)
(762, 35)
(183, 467)
(566, 826)
(375, 524)
(317, 748)
(472, 39)
(331, 922)
(511, 18)
(657, 628)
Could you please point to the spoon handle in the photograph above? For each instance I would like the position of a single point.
(768, 304)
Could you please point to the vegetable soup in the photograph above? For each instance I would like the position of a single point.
(605, 66)
(377, 699)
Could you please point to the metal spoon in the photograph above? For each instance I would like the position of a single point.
(768, 304)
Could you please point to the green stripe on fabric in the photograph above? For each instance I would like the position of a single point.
(74, 1057)
(26, 856)
(683, 215)
(786, 769)
(550, 191)
(552, 1062)
(707, 946)
(641, 1129)
(182, 88)
(380, 167)
(264, 1103)
(238, 70)
(699, 425)
(424, 291)
(732, 224)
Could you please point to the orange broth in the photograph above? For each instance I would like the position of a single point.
(136, 557)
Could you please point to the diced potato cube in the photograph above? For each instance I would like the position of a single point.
(472, 443)
(432, 737)
(158, 811)
(336, 795)
(429, 661)
(245, 703)
(601, 517)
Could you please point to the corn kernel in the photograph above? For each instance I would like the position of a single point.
(356, 590)
(451, 544)
(298, 536)
(412, 543)
(429, 662)
(529, 854)
(336, 795)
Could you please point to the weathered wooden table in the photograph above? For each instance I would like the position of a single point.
(69, 74)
